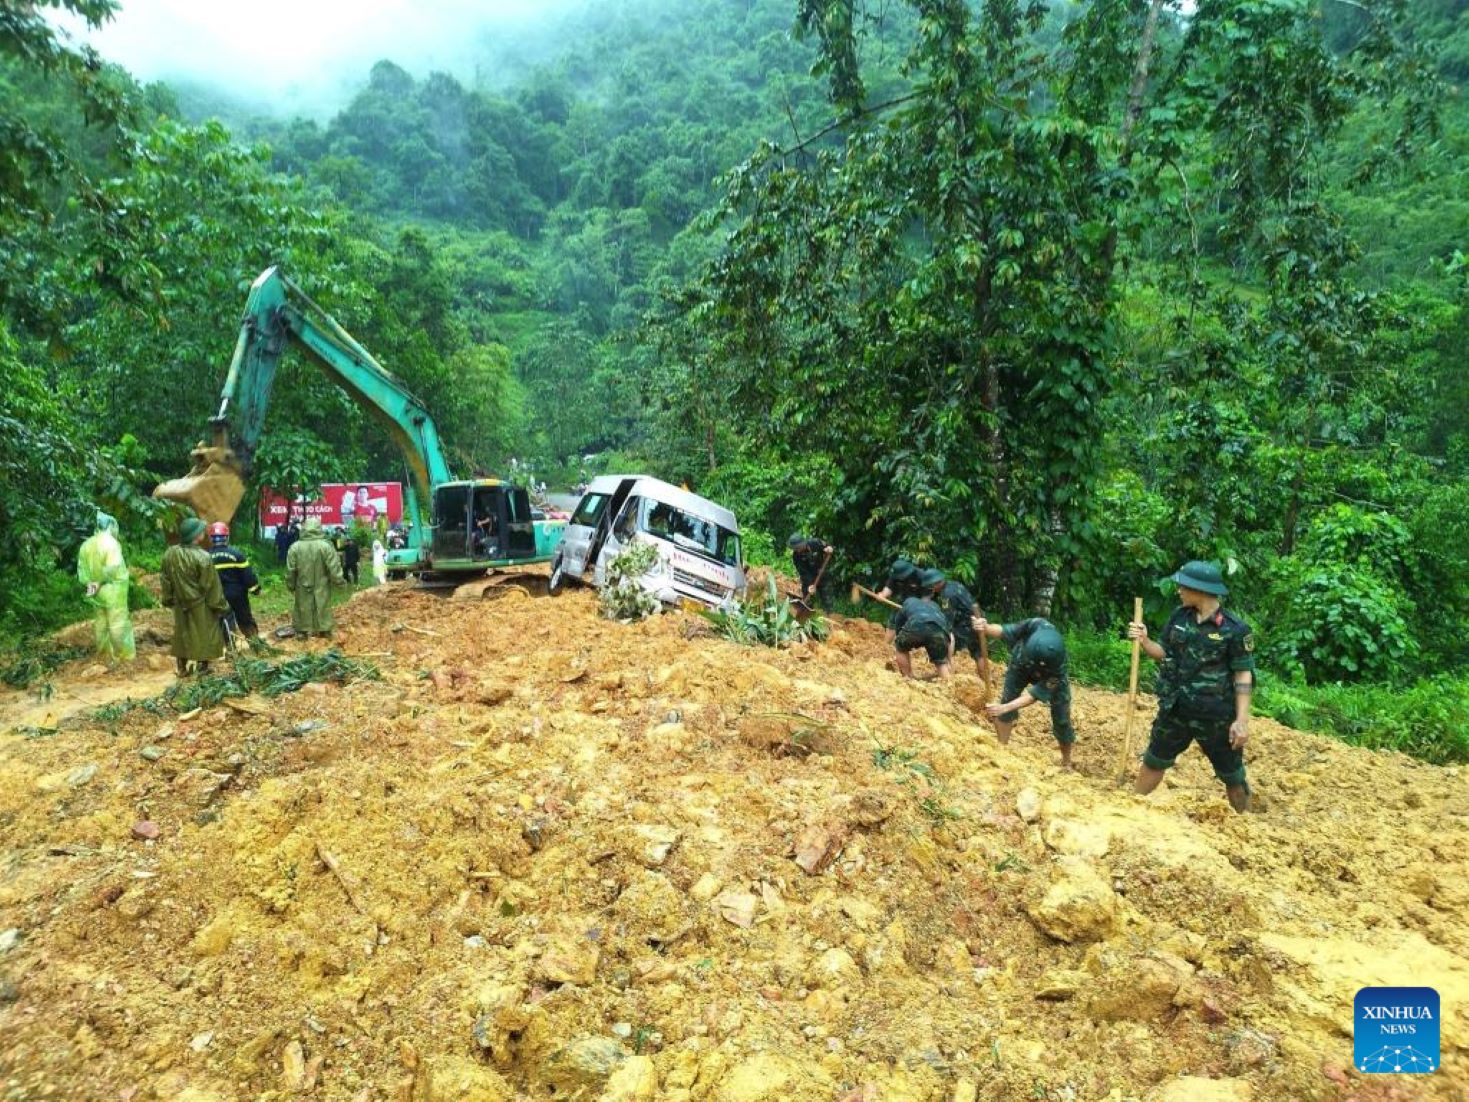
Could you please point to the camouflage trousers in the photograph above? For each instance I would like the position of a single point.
(1174, 730)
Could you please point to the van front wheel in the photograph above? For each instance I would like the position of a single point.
(558, 576)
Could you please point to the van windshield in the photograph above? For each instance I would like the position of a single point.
(590, 509)
(702, 537)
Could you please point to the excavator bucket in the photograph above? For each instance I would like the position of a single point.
(212, 488)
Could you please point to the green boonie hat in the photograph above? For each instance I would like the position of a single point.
(795, 541)
(930, 578)
(903, 570)
(1046, 647)
(1203, 576)
(190, 530)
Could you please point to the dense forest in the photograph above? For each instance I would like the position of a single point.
(1054, 295)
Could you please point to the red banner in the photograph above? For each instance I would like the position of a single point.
(341, 504)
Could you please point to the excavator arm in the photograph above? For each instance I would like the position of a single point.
(277, 313)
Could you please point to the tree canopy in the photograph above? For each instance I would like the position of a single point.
(1056, 295)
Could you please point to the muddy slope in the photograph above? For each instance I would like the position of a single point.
(549, 856)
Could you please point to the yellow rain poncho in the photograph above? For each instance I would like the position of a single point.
(100, 567)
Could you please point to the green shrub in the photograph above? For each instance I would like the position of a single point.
(1428, 719)
(769, 621)
(1337, 621)
(622, 598)
(39, 599)
(1095, 658)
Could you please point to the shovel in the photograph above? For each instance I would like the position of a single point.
(859, 591)
(800, 606)
(229, 639)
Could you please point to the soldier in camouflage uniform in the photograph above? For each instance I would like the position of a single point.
(1036, 672)
(903, 582)
(1204, 684)
(811, 556)
(958, 605)
(921, 623)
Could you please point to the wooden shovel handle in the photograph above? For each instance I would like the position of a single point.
(1137, 646)
(875, 597)
(821, 572)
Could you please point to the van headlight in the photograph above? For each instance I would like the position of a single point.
(659, 569)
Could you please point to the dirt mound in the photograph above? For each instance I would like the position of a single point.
(549, 856)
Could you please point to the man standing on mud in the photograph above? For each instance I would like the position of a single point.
(312, 569)
(958, 604)
(190, 586)
(1204, 684)
(1035, 673)
(236, 578)
(100, 567)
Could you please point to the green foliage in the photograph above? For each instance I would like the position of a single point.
(1337, 621)
(1338, 608)
(1427, 718)
(22, 668)
(55, 103)
(621, 597)
(769, 621)
(246, 676)
(774, 496)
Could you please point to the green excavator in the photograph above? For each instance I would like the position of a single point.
(458, 529)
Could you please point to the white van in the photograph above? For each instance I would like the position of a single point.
(698, 541)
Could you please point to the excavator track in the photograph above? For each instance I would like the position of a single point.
(501, 585)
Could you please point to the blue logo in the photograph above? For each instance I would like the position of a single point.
(1395, 1030)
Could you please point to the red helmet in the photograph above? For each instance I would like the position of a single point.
(219, 530)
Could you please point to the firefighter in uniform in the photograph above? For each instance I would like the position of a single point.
(236, 578)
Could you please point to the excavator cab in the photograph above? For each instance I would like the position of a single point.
(485, 521)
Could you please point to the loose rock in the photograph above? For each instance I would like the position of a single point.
(570, 960)
(589, 1061)
(635, 1081)
(1078, 906)
(456, 1079)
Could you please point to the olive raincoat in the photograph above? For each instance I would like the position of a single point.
(100, 567)
(191, 588)
(312, 568)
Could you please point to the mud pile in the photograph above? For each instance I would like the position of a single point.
(549, 856)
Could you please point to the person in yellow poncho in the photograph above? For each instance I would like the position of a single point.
(100, 567)
(191, 588)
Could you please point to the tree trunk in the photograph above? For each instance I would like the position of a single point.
(1045, 586)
